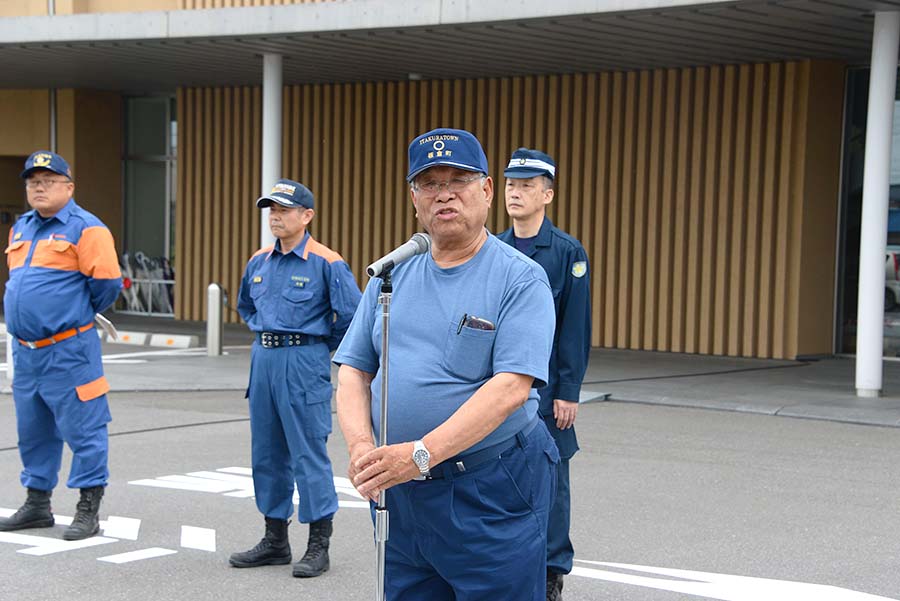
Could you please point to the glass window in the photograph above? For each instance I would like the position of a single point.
(149, 165)
(851, 218)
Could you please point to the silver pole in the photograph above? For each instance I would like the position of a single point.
(381, 512)
(214, 320)
(51, 7)
(271, 136)
(876, 184)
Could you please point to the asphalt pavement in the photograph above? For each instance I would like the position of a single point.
(694, 481)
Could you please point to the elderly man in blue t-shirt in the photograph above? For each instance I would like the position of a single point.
(469, 469)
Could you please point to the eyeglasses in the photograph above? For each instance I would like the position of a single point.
(454, 186)
(43, 183)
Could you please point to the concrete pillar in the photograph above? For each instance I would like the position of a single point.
(876, 185)
(271, 136)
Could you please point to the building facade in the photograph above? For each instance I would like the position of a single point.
(701, 145)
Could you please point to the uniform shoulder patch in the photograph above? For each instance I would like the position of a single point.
(579, 268)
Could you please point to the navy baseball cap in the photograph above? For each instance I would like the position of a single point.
(525, 163)
(287, 193)
(44, 159)
(452, 147)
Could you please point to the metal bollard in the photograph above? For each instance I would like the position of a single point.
(214, 320)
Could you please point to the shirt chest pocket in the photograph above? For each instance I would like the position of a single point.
(55, 254)
(469, 353)
(295, 306)
(16, 253)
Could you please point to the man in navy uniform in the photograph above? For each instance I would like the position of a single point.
(299, 297)
(530, 176)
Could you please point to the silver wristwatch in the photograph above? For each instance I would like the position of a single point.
(421, 457)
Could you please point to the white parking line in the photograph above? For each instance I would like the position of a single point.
(203, 539)
(49, 546)
(137, 555)
(119, 527)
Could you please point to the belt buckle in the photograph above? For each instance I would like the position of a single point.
(31, 345)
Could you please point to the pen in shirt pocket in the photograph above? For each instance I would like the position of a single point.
(461, 322)
(475, 323)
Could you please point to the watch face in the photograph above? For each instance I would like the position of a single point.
(421, 457)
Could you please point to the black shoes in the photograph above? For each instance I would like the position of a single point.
(35, 513)
(86, 522)
(554, 586)
(315, 561)
(274, 548)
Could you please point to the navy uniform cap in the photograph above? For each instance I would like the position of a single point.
(44, 159)
(525, 163)
(451, 147)
(287, 193)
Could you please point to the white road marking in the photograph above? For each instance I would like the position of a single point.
(237, 482)
(137, 555)
(187, 483)
(119, 527)
(720, 586)
(193, 537)
(48, 546)
(243, 471)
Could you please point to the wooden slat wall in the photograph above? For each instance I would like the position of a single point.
(684, 185)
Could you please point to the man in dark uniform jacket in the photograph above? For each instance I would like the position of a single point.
(530, 176)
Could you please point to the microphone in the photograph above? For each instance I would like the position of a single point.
(418, 244)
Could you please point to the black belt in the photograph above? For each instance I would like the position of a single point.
(279, 339)
(462, 463)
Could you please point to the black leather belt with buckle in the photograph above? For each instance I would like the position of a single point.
(281, 340)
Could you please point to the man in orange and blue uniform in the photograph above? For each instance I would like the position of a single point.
(299, 297)
(63, 269)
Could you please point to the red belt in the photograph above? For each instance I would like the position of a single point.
(56, 337)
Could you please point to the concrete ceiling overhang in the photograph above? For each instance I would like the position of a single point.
(378, 40)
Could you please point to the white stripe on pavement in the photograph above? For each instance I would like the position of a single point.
(119, 527)
(193, 537)
(137, 555)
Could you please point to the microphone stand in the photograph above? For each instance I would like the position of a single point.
(381, 512)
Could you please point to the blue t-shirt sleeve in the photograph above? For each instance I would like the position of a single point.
(525, 332)
(357, 349)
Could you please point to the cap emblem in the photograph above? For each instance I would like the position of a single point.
(282, 188)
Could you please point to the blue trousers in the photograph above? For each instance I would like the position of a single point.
(479, 535)
(559, 546)
(50, 410)
(290, 420)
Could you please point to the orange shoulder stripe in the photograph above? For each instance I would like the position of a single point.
(97, 256)
(263, 251)
(317, 248)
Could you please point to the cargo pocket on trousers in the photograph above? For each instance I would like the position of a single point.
(317, 412)
(92, 390)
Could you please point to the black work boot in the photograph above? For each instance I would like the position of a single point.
(35, 513)
(554, 586)
(86, 522)
(315, 560)
(274, 548)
